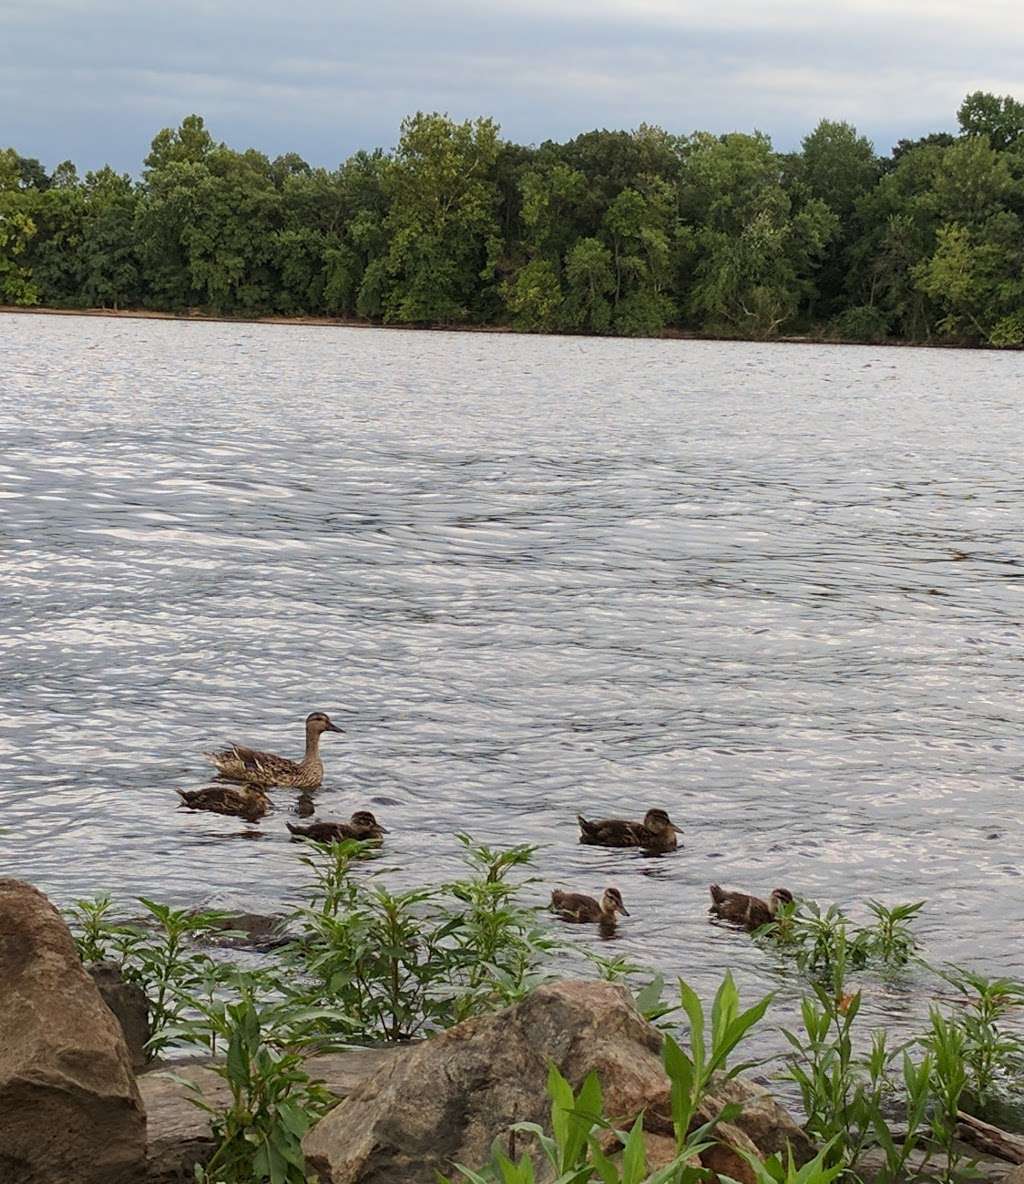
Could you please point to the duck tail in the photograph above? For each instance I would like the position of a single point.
(183, 795)
(296, 830)
(585, 826)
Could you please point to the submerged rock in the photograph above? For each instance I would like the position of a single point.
(448, 1099)
(69, 1106)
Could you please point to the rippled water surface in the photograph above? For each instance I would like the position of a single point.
(774, 589)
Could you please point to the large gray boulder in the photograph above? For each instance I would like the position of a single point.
(69, 1106)
(447, 1099)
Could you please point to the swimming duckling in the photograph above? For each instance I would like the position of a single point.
(241, 801)
(362, 825)
(749, 911)
(656, 834)
(266, 769)
(574, 906)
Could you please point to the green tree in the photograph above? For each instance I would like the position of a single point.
(17, 230)
(1000, 119)
(534, 297)
(110, 272)
(753, 255)
(640, 227)
(590, 272)
(443, 211)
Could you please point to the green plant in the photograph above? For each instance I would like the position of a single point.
(947, 1043)
(163, 961)
(917, 1093)
(100, 931)
(493, 942)
(273, 1101)
(691, 1073)
(774, 1171)
(825, 944)
(819, 940)
(329, 864)
(396, 963)
(992, 1054)
(159, 955)
(889, 940)
(842, 1094)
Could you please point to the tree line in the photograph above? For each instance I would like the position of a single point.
(616, 232)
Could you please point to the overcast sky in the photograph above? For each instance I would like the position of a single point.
(93, 80)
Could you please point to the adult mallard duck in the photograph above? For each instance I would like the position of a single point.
(749, 911)
(656, 834)
(574, 906)
(266, 769)
(241, 801)
(362, 825)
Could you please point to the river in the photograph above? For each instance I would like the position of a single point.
(774, 589)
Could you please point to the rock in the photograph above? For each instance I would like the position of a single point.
(69, 1106)
(447, 1099)
(130, 1006)
(767, 1125)
(179, 1132)
(256, 930)
(932, 1164)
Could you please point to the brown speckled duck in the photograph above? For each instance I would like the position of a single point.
(362, 825)
(749, 911)
(241, 801)
(266, 769)
(574, 906)
(656, 834)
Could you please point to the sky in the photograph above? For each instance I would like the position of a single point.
(94, 80)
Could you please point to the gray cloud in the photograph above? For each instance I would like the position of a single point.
(93, 80)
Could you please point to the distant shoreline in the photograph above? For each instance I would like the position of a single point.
(668, 334)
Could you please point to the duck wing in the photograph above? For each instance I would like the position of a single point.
(575, 906)
(613, 832)
(739, 908)
(322, 832)
(226, 799)
(251, 767)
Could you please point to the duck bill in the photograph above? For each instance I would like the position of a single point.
(335, 728)
(623, 910)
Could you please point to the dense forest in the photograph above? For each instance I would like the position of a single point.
(612, 232)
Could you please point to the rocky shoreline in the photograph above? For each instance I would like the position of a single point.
(77, 1105)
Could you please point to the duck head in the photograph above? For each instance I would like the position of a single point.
(779, 897)
(611, 903)
(659, 821)
(319, 721)
(364, 820)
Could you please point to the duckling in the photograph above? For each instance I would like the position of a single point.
(749, 911)
(362, 825)
(574, 906)
(266, 769)
(656, 834)
(241, 801)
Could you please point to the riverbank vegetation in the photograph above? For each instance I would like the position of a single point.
(631, 233)
(359, 963)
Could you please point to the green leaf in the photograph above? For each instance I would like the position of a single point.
(634, 1155)
(695, 1014)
